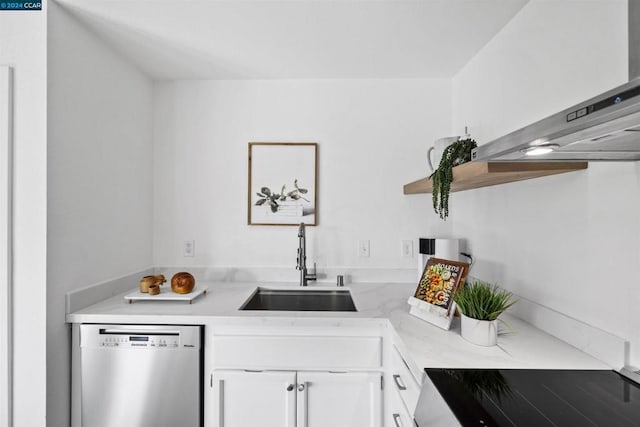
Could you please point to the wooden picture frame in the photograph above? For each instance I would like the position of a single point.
(282, 183)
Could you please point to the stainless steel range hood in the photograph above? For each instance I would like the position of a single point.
(605, 127)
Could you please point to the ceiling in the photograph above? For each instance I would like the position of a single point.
(275, 39)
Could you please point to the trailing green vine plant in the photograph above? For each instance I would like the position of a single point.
(455, 154)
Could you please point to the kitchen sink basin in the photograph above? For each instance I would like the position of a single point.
(300, 300)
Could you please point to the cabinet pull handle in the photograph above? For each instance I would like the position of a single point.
(397, 421)
(290, 387)
(301, 387)
(396, 379)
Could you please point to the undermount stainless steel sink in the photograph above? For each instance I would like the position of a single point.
(300, 300)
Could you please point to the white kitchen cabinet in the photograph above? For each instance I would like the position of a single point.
(297, 399)
(328, 399)
(295, 377)
(244, 399)
(403, 383)
(295, 353)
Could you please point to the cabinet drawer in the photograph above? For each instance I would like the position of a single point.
(400, 419)
(398, 415)
(296, 352)
(403, 382)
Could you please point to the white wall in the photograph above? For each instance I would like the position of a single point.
(552, 54)
(99, 180)
(568, 242)
(372, 134)
(23, 47)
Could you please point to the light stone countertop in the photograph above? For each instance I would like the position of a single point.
(520, 345)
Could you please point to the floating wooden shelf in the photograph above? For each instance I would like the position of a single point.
(484, 174)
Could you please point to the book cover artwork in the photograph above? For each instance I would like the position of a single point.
(440, 279)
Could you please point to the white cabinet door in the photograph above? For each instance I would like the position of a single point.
(244, 399)
(328, 399)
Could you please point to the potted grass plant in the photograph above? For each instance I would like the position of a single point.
(480, 305)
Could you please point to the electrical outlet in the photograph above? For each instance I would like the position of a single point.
(363, 248)
(407, 249)
(189, 248)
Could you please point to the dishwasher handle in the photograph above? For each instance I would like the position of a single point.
(138, 332)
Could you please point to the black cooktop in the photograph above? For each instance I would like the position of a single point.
(515, 397)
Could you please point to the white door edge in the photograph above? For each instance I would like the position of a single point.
(6, 314)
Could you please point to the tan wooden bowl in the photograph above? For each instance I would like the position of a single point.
(147, 281)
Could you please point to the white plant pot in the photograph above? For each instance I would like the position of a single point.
(480, 332)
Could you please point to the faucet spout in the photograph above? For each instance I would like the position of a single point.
(302, 257)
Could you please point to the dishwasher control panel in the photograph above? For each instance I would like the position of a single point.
(139, 341)
(139, 336)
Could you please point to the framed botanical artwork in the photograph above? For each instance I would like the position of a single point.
(283, 183)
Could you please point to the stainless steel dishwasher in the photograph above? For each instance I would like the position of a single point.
(141, 375)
